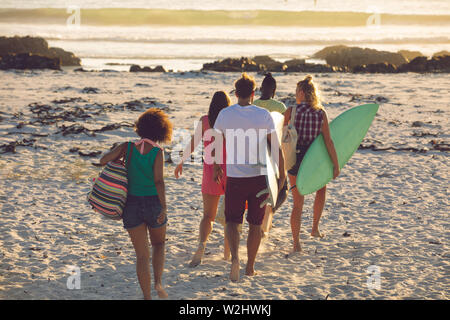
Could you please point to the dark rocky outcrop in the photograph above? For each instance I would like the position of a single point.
(28, 61)
(339, 59)
(376, 68)
(22, 45)
(269, 64)
(297, 65)
(136, 68)
(441, 54)
(67, 58)
(352, 57)
(410, 55)
(265, 63)
(234, 65)
(36, 46)
(322, 54)
(438, 64)
(416, 65)
(294, 62)
(373, 61)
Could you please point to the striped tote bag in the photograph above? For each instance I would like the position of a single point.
(109, 193)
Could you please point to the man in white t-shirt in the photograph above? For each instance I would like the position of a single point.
(247, 131)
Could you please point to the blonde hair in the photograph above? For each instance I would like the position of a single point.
(311, 92)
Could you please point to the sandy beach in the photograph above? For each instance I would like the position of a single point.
(387, 209)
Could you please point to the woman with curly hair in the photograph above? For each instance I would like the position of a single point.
(146, 210)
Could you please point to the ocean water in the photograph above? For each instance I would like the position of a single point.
(384, 6)
(182, 34)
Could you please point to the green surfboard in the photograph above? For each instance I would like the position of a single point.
(347, 131)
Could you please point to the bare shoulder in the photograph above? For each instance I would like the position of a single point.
(160, 153)
(122, 147)
(159, 159)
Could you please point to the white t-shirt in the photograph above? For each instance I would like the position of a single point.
(245, 130)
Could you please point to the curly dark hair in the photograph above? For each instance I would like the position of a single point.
(245, 86)
(155, 125)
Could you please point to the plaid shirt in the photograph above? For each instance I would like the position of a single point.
(308, 122)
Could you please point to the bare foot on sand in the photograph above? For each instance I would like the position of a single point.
(162, 294)
(235, 269)
(197, 258)
(250, 272)
(317, 234)
(296, 251)
(297, 248)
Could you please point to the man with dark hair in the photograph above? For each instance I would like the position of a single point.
(247, 130)
(267, 101)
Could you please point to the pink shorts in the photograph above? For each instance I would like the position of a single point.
(209, 186)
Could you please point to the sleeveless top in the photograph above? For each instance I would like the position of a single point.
(140, 172)
(308, 122)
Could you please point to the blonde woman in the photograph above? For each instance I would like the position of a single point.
(310, 120)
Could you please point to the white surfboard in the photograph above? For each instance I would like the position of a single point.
(272, 167)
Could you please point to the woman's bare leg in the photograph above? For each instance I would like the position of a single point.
(210, 204)
(296, 214)
(139, 238)
(319, 204)
(158, 239)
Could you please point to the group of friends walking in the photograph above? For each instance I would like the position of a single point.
(241, 183)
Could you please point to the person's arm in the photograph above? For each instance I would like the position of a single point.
(158, 174)
(217, 169)
(330, 145)
(287, 116)
(114, 154)
(195, 140)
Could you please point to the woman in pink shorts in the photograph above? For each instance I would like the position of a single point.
(211, 190)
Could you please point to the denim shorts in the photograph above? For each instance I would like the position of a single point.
(301, 151)
(139, 210)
